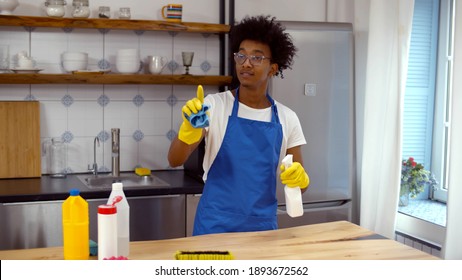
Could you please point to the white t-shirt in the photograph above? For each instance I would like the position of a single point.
(221, 106)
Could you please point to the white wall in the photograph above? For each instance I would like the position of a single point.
(296, 10)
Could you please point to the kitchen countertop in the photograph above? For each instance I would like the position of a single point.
(327, 241)
(46, 188)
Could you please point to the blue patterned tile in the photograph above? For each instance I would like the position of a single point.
(30, 97)
(138, 100)
(172, 100)
(103, 100)
(29, 28)
(67, 137)
(104, 64)
(205, 66)
(104, 136)
(171, 134)
(138, 135)
(173, 65)
(104, 30)
(67, 100)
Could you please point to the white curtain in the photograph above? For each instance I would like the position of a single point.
(390, 23)
(452, 248)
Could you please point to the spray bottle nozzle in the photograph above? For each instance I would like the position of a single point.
(116, 199)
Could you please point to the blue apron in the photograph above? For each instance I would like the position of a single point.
(240, 192)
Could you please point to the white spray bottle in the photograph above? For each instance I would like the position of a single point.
(294, 204)
(123, 220)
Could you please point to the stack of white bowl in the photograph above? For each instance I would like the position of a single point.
(7, 6)
(128, 61)
(74, 61)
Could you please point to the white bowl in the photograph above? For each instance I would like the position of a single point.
(74, 65)
(128, 67)
(74, 56)
(128, 58)
(7, 6)
(129, 52)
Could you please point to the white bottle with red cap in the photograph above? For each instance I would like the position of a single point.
(123, 220)
(107, 231)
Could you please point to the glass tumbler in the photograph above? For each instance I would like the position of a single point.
(57, 158)
(124, 13)
(104, 12)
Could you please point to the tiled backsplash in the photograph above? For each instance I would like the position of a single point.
(148, 115)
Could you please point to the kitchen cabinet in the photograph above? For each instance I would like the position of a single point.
(31, 225)
(157, 217)
(39, 224)
(110, 78)
(192, 200)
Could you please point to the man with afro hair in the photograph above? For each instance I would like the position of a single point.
(247, 136)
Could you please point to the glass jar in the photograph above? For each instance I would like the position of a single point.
(80, 9)
(124, 13)
(57, 158)
(104, 12)
(55, 8)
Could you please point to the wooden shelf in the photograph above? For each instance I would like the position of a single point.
(130, 24)
(110, 78)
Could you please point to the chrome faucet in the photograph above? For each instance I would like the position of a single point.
(94, 169)
(115, 152)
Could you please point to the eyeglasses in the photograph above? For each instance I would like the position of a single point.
(254, 59)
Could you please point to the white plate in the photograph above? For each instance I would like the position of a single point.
(17, 70)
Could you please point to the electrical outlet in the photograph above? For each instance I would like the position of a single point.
(310, 89)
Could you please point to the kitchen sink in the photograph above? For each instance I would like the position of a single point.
(128, 181)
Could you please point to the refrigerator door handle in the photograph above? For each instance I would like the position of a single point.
(316, 206)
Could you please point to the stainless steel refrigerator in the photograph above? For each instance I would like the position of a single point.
(320, 89)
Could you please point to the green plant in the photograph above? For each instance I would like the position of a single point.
(414, 176)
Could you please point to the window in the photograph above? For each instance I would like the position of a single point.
(426, 119)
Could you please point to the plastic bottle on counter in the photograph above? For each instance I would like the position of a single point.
(123, 219)
(76, 230)
(293, 196)
(107, 231)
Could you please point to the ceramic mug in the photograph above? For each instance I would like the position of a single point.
(156, 63)
(173, 13)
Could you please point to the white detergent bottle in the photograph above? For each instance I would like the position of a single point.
(294, 204)
(123, 220)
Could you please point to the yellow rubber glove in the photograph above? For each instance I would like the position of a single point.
(294, 176)
(188, 134)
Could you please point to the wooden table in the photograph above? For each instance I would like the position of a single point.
(327, 241)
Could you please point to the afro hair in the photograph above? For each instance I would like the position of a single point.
(266, 30)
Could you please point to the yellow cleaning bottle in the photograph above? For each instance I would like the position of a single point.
(76, 228)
